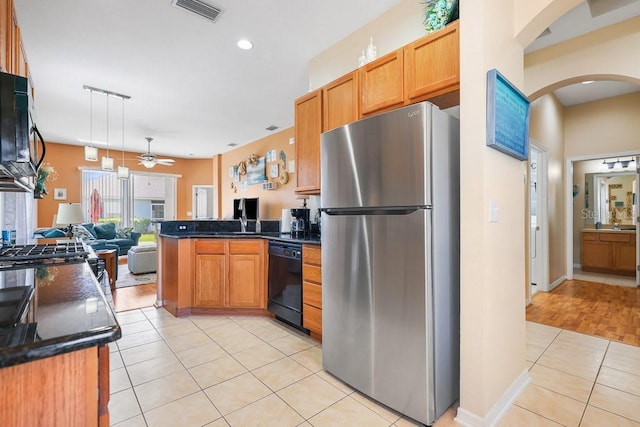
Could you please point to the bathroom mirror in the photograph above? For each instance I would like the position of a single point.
(610, 198)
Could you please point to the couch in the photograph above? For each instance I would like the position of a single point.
(99, 236)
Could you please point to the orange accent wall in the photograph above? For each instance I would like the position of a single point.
(66, 160)
(271, 201)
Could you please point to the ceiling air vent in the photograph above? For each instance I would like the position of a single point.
(205, 10)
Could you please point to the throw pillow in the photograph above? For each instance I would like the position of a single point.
(82, 233)
(89, 227)
(54, 232)
(105, 231)
(124, 233)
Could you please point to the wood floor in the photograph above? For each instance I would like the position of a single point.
(133, 297)
(606, 311)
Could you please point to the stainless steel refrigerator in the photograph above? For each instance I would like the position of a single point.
(390, 258)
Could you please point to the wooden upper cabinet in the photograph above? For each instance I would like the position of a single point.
(308, 123)
(341, 103)
(6, 28)
(381, 83)
(432, 65)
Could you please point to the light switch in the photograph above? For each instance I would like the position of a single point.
(292, 166)
(494, 210)
(292, 140)
(189, 213)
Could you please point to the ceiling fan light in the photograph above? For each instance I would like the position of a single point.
(123, 172)
(148, 163)
(107, 163)
(90, 154)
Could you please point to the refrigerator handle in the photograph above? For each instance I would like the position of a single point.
(373, 210)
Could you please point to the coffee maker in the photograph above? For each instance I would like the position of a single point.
(299, 220)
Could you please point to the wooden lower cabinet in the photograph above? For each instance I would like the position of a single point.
(312, 289)
(609, 252)
(209, 286)
(229, 273)
(70, 389)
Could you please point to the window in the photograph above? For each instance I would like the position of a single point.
(135, 202)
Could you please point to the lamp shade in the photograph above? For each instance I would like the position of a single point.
(90, 153)
(107, 163)
(70, 213)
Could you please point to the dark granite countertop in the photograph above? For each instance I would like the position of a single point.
(230, 229)
(306, 238)
(67, 312)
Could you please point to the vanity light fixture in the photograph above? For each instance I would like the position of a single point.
(245, 44)
(618, 165)
(587, 82)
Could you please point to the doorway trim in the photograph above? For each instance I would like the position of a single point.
(543, 217)
(568, 191)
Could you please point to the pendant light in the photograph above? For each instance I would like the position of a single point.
(107, 162)
(90, 152)
(123, 171)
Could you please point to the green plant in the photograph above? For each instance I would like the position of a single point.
(141, 225)
(46, 172)
(439, 13)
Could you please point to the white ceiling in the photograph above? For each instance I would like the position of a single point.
(191, 88)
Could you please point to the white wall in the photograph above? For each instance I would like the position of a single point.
(396, 28)
(547, 130)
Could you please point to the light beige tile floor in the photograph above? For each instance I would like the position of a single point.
(219, 371)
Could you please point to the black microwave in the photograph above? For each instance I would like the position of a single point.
(19, 137)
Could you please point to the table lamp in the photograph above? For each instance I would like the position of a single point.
(70, 213)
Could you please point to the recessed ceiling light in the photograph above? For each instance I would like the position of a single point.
(231, 144)
(271, 127)
(587, 82)
(245, 44)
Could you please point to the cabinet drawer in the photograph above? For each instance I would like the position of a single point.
(210, 246)
(312, 273)
(311, 254)
(245, 246)
(312, 318)
(614, 237)
(590, 236)
(312, 294)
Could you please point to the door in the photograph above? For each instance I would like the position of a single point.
(375, 304)
(203, 198)
(538, 222)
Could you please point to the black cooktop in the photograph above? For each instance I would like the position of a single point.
(42, 251)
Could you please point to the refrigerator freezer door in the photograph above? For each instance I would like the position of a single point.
(379, 161)
(374, 293)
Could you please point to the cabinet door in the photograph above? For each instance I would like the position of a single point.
(308, 122)
(432, 64)
(625, 258)
(596, 255)
(381, 83)
(244, 281)
(209, 287)
(340, 104)
(6, 26)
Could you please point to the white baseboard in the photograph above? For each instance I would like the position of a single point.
(469, 419)
(557, 282)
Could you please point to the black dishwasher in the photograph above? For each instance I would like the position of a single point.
(285, 282)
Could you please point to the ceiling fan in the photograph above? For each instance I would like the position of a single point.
(149, 160)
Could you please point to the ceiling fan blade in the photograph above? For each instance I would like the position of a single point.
(165, 161)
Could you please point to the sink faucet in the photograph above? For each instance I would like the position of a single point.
(243, 216)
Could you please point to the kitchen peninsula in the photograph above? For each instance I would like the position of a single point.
(54, 363)
(213, 267)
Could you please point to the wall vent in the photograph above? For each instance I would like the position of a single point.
(203, 9)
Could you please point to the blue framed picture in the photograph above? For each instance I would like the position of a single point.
(508, 112)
